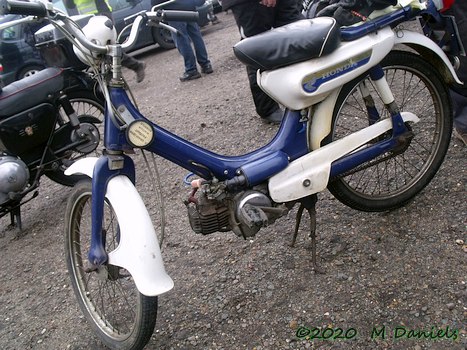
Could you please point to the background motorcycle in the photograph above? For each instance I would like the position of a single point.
(47, 120)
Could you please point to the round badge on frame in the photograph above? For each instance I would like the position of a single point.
(140, 133)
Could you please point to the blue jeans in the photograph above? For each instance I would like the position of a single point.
(189, 33)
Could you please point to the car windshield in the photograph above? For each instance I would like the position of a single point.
(115, 5)
(12, 32)
(60, 5)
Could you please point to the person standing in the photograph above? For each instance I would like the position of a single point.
(459, 96)
(188, 34)
(102, 7)
(254, 17)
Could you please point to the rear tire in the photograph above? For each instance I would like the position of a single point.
(122, 317)
(86, 105)
(85, 102)
(392, 182)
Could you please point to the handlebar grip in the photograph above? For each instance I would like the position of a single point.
(180, 16)
(22, 8)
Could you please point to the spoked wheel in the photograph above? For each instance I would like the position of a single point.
(90, 110)
(394, 178)
(86, 103)
(122, 317)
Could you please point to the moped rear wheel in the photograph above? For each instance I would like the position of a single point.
(122, 317)
(394, 178)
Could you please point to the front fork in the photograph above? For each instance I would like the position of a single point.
(108, 166)
(382, 86)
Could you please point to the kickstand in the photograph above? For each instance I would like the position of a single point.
(308, 203)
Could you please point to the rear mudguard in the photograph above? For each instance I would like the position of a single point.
(138, 251)
(430, 52)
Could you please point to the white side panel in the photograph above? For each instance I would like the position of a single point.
(313, 169)
(320, 125)
(285, 85)
(138, 251)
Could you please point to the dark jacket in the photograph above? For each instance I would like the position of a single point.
(459, 10)
(226, 4)
(181, 5)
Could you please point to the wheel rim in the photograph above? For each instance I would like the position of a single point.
(395, 175)
(108, 295)
(167, 36)
(163, 37)
(30, 72)
(89, 108)
(84, 106)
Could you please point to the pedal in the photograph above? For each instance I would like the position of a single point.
(253, 216)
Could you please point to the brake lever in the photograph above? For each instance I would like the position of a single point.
(161, 5)
(131, 19)
(164, 26)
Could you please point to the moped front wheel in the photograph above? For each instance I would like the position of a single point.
(122, 317)
(394, 178)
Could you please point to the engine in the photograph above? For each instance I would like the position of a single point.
(14, 177)
(207, 215)
(245, 213)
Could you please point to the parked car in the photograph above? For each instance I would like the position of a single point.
(149, 35)
(18, 56)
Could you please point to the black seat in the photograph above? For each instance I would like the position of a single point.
(292, 43)
(30, 91)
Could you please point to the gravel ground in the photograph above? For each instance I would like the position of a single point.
(386, 274)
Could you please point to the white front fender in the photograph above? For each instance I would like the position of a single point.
(138, 251)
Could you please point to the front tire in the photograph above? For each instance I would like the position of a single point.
(122, 317)
(392, 180)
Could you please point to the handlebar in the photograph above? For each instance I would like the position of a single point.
(180, 16)
(23, 8)
(165, 15)
(28, 19)
(46, 10)
(157, 17)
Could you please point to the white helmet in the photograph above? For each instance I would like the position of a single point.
(101, 31)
